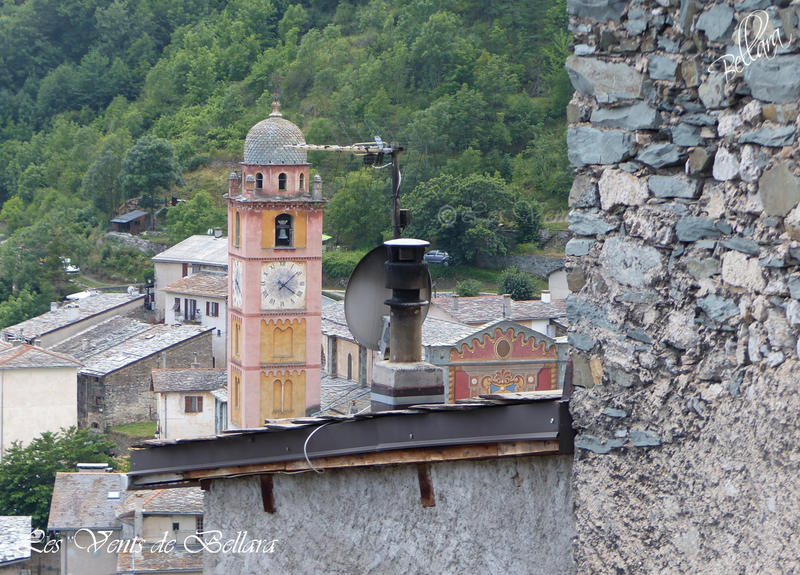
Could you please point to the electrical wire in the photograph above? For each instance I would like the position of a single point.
(305, 448)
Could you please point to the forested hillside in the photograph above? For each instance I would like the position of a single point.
(103, 101)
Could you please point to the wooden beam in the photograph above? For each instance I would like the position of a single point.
(267, 496)
(425, 485)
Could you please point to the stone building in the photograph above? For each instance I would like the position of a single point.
(685, 271)
(187, 405)
(193, 255)
(119, 356)
(202, 299)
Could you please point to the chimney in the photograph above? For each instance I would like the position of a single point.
(249, 184)
(545, 296)
(53, 306)
(84, 344)
(217, 233)
(233, 184)
(37, 342)
(138, 515)
(455, 302)
(195, 364)
(316, 188)
(506, 305)
(73, 312)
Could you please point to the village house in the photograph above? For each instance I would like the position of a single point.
(547, 316)
(133, 223)
(38, 388)
(193, 255)
(67, 319)
(201, 299)
(119, 356)
(187, 406)
(15, 555)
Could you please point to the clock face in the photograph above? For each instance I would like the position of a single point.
(236, 284)
(283, 285)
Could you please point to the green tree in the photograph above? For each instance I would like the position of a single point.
(101, 184)
(463, 216)
(196, 216)
(468, 288)
(13, 214)
(517, 283)
(149, 170)
(360, 212)
(28, 474)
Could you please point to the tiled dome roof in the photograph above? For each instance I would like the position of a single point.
(265, 141)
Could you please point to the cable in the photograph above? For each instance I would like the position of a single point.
(305, 448)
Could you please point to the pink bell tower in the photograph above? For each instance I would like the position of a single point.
(275, 274)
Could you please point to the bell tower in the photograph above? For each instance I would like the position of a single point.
(275, 274)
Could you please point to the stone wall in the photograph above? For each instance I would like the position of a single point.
(497, 516)
(687, 282)
(537, 265)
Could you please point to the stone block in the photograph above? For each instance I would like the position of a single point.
(742, 245)
(702, 268)
(712, 92)
(718, 308)
(659, 155)
(638, 116)
(662, 68)
(606, 81)
(581, 341)
(691, 73)
(592, 146)
(618, 188)
(635, 27)
(687, 136)
(681, 331)
(775, 79)
(598, 10)
(699, 161)
(674, 187)
(576, 279)
(583, 193)
(578, 246)
(726, 165)
(741, 271)
(693, 228)
(700, 120)
(729, 124)
(749, 169)
(644, 438)
(779, 190)
(629, 263)
(774, 138)
(588, 225)
(597, 445)
(582, 310)
(717, 22)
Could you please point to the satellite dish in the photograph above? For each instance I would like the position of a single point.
(363, 299)
(132, 290)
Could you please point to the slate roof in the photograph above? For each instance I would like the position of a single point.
(129, 217)
(435, 331)
(166, 380)
(340, 396)
(14, 530)
(184, 501)
(207, 284)
(101, 337)
(88, 307)
(265, 143)
(108, 351)
(80, 500)
(201, 250)
(482, 309)
(221, 394)
(29, 357)
(177, 560)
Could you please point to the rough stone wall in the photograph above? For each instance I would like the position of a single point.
(537, 265)
(496, 516)
(125, 395)
(687, 282)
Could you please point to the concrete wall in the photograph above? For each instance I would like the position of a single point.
(174, 422)
(166, 273)
(155, 526)
(36, 400)
(77, 559)
(125, 394)
(495, 517)
(686, 272)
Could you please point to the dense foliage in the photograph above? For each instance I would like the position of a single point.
(105, 100)
(517, 283)
(27, 474)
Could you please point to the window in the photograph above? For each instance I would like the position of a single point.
(198, 524)
(349, 366)
(282, 182)
(98, 400)
(185, 271)
(283, 230)
(237, 389)
(212, 309)
(190, 307)
(302, 181)
(237, 235)
(177, 306)
(259, 181)
(282, 396)
(176, 526)
(193, 404)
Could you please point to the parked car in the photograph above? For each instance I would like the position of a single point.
(68, 267)
(438, 257)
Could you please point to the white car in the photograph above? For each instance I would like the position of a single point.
(68, 267)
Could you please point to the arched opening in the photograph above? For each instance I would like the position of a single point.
(349, 366)
(259, 181)
(284, 228)
(282, 182)
(237, 235)
(302, 181)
